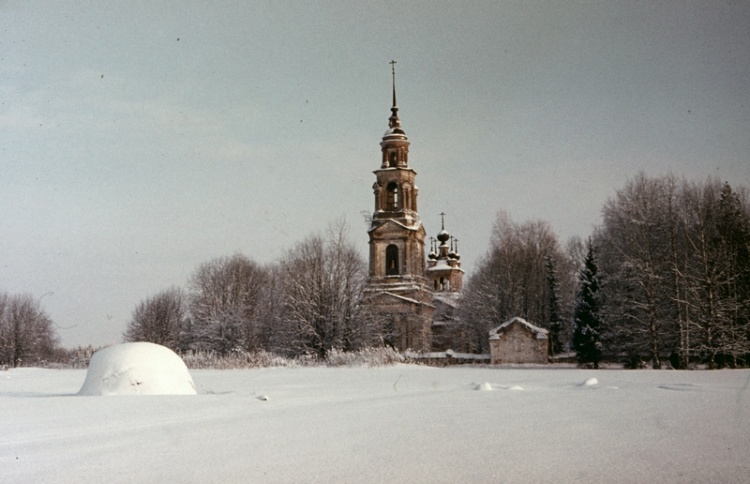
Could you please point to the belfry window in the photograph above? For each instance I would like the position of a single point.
(391, 261)
(392, 200)
(393, 158)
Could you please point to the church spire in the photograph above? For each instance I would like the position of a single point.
(393, 121)
(395, 144)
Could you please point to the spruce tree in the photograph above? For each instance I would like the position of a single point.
(586, 315)
(553, 306)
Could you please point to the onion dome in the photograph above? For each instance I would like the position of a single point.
(453, 254)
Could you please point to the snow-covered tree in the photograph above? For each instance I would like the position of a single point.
(225, 295)
(586, 315)
(634, 243)
(676, 257)
(27, 334)
(322, 279)
(554, 319)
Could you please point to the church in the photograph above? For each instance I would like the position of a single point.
(415, 296)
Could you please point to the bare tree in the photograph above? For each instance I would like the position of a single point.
(323, 280)
(26, 332)
(159, 319)
(717, 272)
(225, 294)
(635, 257)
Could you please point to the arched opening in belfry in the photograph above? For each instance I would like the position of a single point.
(392, 159)
(391, 261)
(392, 198)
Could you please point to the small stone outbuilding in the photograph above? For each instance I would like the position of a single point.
(518, 341)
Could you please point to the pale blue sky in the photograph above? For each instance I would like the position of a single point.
(141, 139)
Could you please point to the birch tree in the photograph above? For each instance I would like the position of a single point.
(634, 248)
(322, 282)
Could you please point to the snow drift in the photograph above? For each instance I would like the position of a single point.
(137, 369)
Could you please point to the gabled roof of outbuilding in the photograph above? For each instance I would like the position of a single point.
(540, 333)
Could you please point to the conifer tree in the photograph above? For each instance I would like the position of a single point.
(553, 306)
(586, 316)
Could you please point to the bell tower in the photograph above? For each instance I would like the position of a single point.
(397, 284)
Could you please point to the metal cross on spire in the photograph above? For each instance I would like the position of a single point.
(442, 220)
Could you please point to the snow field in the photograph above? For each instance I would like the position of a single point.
(395, 424)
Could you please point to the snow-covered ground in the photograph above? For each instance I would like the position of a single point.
(395, 424)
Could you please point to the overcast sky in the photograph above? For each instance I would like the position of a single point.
(141, 139)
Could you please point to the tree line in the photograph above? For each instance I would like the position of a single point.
(665, 278)
(307, 302)
(675, 262)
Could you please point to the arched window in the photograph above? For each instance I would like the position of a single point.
(392, 200)
(391, 260)
(393, 161)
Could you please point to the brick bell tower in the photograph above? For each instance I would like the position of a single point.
(398, 290)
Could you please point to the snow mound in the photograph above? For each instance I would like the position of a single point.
(680, 387)
(137, 369)
(590, 382)
(486, 386)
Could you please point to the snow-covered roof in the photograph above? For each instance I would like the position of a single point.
(403, 298)
(417, 224)
(450, 298)
(443, 265)
(540, 333)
